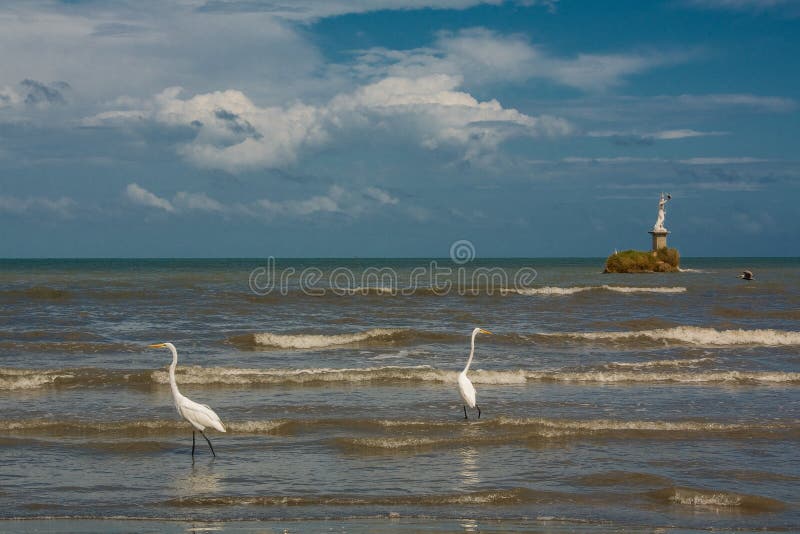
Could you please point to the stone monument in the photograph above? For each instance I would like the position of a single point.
(658, 232)
(660, 259)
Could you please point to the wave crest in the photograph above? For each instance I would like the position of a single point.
(372, 337)
(486, 497)
(693, 335)
(555, 290)
(717, 499)
(25, 379)
(230, 376)
(312, 341)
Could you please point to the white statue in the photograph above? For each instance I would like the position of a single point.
(659, 226)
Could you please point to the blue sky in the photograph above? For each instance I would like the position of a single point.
(215, 128)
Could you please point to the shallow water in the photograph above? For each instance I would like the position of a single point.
(608, 401)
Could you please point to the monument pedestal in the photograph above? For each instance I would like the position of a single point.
(659, 239)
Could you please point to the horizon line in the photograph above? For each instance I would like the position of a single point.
(73, 258)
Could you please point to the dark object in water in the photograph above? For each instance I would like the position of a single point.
(746, 275)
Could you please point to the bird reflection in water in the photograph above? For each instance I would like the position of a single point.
(469, 467)
(201, 479)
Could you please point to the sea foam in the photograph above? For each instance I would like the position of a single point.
(695, 335)
(318, 341)
(547, 290)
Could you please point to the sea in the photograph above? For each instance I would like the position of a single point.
(665, 402)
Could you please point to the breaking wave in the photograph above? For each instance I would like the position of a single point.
(255, 377)
(694, 377)
(693, 335)
(580, 289)
(23, 379)
(647, 372)
(717, 499)
(375, 336)
(416, 431)
(686, 362)
(536, 431)
(486, 497)
(495, 497)
(127, 429)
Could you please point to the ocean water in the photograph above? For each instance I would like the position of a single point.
(609, 402)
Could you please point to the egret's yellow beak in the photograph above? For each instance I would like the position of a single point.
(485, 331)
(157, 346)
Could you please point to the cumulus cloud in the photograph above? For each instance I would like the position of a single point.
(235, 134)
(140, 195)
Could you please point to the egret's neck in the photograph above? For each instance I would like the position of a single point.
(172, 383)
(471, 353)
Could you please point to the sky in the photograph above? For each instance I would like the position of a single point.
(393, 128)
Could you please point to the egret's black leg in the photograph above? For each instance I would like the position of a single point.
(209, 443)
(479, 411)
(465, 413)
(192, 443)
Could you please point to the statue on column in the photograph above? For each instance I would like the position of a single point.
(659, 226)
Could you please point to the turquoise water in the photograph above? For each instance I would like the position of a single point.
(608, 401)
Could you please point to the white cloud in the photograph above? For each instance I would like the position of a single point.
(683, 133)
(197, 201)
(9, 97)
(312, 10)
(613, 113)
(235, 134)
(721, 161)
(658, 135)
(142, 196)
(766, 103)
(62, 206)
(122, 48)
(688, 161)
(379, 195)
(610, 160)
(353, 202)
(484, 56)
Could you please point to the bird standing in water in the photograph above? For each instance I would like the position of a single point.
(199, 416)
(465, 387)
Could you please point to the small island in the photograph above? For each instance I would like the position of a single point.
(659, 259)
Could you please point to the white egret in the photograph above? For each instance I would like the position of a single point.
(199, 416)
(465, 386)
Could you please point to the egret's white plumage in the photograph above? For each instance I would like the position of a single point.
(199, 415)
(465, 387)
